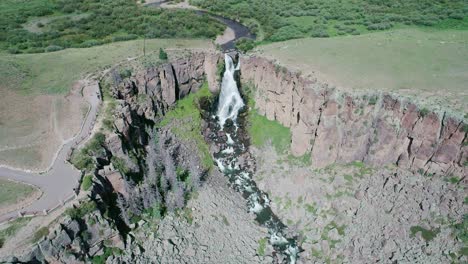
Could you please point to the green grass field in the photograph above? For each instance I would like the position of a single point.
(54, 73)
(431, 65)
(12, 192)
(280, 20)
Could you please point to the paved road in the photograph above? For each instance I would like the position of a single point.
(58, 182)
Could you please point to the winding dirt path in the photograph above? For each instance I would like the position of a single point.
(58, 183)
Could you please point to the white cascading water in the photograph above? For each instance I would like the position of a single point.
(241, 177)
(230, 101)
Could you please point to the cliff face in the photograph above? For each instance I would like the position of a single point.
(137, 166)
(377, 129)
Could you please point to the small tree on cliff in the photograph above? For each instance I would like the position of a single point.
(162, 54)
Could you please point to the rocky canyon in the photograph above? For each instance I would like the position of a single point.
(383, 178)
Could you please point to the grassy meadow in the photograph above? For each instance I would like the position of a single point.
(280, 20)
(54, 73)
(431, 65)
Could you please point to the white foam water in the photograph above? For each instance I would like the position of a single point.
(258, 202)
(230, 101)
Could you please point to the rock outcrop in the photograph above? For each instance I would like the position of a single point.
(337, 127)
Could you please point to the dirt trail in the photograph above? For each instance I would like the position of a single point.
(57, 183)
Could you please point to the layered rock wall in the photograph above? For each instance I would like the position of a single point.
(377, 129)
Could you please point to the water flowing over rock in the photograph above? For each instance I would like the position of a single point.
(230, 101)
(234, 161)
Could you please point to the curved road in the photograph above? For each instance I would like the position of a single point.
(58, 183)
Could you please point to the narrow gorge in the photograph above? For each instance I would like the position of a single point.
(171, 129)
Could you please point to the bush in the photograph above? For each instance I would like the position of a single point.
(162, 54)
(82, 210)
(245, 44)
(120, 165)
(87, 182)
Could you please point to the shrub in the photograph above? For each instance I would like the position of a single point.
(423, 112)
(82, 210)
(373, 100)
(87, 182)
(220, 68)
(427, 234)
(245, 45)
(120, 165)
(162, 54)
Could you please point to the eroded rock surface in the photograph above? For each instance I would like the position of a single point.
(214, 228)
(357, 214)
(378, 129)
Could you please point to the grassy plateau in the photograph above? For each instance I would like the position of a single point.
(431, 65)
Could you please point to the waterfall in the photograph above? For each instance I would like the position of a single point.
(231, 146)
(230, 101)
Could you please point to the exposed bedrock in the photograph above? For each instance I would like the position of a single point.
(337, 127)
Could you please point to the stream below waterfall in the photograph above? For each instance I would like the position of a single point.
(227, 126)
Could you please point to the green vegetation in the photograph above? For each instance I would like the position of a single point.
(454, 180)
(188, 117)
(245, 44)
(311, 209)
(330, 226)
(280, 20)
(304, 160)
(39, 234)
(49, 25)
(12, 229)
(108, 251)
(263, 131)
(120, 165)
(12, 192)
(460, 230)
(162, 54)
(79, 212)
(220, 68)
(54, 73)
(87, 182)
(84, 159)
(362, 169)
(427, 234)
(262, 243)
